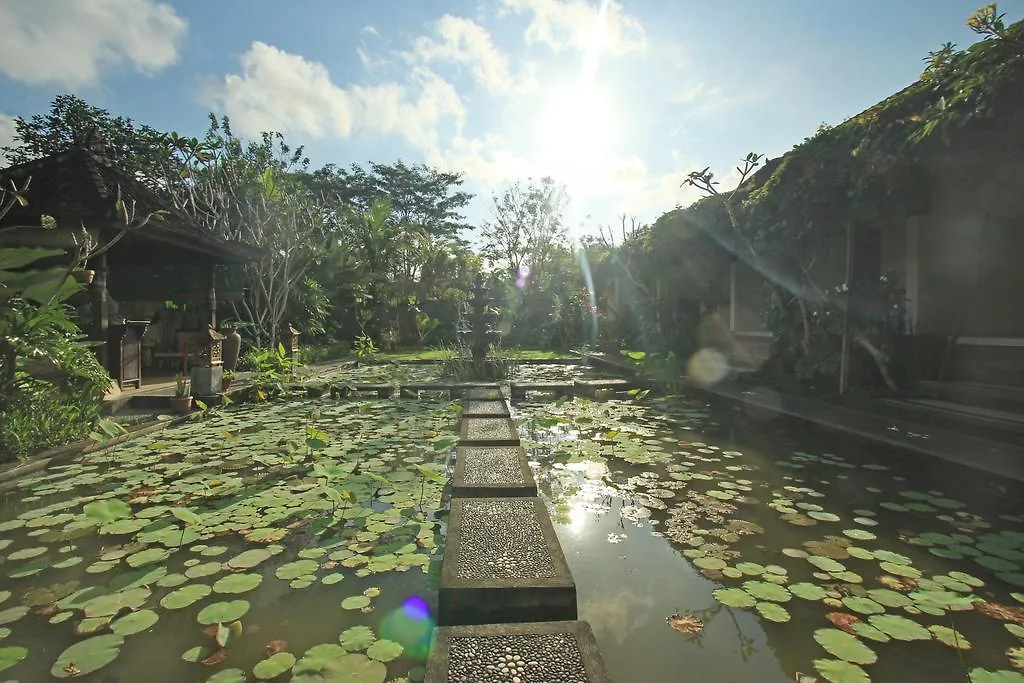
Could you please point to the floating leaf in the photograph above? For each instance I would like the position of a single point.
(899, 628)
(293, 570)
(273, 666)
(899, 569)
(859, 534)
(250, 558)
(862, 605)
(763, 590)
(773, 612)
(355, 602)
(734, 597)
(227, 676)
(134, 622)
(110, 604)
(845, 646)
(87, 656)
(223, 612)
(838, 671)
(979, 675)
(237, 583)
(950, 637)
(147, 556)
(185, 596)
(889, 556)
(807, 591)
(384, 650)
(357, 638)
(9, 656)
(710, 563)
(826, 564)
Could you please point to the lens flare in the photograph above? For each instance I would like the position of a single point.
(410, 626)
(707, 366)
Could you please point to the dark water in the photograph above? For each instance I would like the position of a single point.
(631, 578)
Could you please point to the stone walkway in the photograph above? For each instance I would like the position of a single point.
(507, 605)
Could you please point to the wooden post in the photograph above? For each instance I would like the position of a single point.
(844, 357)
(211, 298)
(100, 309)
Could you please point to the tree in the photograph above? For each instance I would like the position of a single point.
(526, 227)
(421, 197)
(73, 122)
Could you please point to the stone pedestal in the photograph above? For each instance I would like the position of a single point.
(563, 651)
(206, 381)
(502, 564)
(492, 471)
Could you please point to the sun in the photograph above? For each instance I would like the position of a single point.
(576, 133)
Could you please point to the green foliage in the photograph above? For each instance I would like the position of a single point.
(270, 369)
(364, 347)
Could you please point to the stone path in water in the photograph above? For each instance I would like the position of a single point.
(507, 606)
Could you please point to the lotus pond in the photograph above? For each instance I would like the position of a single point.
(268, 539)
(394, 373)
(699, 556)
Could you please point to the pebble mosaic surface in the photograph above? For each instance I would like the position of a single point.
(485, 408)
(502, 539)
(490, 429)
(516, 659)
(489, 466)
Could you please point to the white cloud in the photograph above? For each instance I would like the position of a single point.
(581, 25)
(277, 90)
(7, 132)
(371, 30)
(467, 43)
(71, 43)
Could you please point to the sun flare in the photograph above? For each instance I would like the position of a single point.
(576, 132)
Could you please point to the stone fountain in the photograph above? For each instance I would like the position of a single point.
(477, 331)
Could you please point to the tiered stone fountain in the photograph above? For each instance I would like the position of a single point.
(478, 332)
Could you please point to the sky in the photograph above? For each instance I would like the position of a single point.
(618, 99)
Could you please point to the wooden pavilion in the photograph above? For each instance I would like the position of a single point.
(164, 259)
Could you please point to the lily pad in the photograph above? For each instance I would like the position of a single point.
(826, 564)
(223, 612)
(711, 563)
(355, 602)
(87, 656)
(109, 510)
(357, 638)
(293, 570)
(838, 671)
(9, 656)
(899, 628)
(734, 597)
(773, 612)
(237, 583)
(185, 596)
(862, 605)
(147, 556)
(134, 622)
(273, 666)
(808, 591)
(979, 675)
(763, 590)
(227, 676)
(845, 646)
(950, 637)
(384, 650)
(250, 558)
(110, 604)
(859, 534)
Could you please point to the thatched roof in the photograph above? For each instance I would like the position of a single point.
(78, 187)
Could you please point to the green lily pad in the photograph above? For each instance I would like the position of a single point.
(862, 605)
(109, 510)
(227, 676)
(223, 612)
(87, 656)
(950, 637)
(899, 569)
(966, 578)
(355, 602)
(899, 628)
(357, 638)
(237, 583)
(734, 597)
(826, 564)
(823, 516)
(979, 675)
(808, 591)
(185, 596)
(198, 653)
(250, 558)
(859, 534)
(763, 590)
(12, 614)
(384, 650)
(845, 646)
(147, 556)
(198, 571)
(838, 671)
(889, 598)
(710, 563)
(26, 553)
(273, 666)
(134, 622)
(110, 604)
(773, 612)
(750, 568)
(866, 630)
(293, 570)
(889, 556)
(9, 656)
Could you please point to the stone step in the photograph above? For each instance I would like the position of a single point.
(591, 387)
(488, 431)
(474, 408)
(488, 393)
(492, 471)
(562, 651)
(503, 563)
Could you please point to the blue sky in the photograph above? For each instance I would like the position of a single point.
(617, 99)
